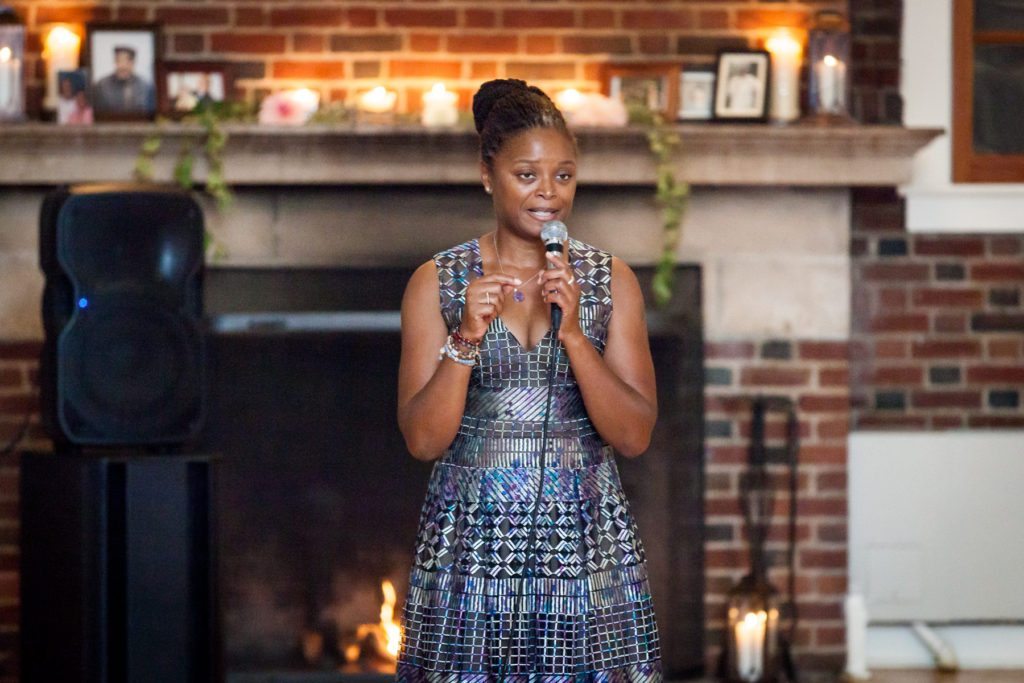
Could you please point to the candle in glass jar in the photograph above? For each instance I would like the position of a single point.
(831, 76)
(786, 52)
(378, 100)
(439, 107)
(750, 645)
(10, 80)
(61, 54)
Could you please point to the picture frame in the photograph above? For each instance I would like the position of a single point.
(696, 94)
(184, 85)
(124, 61)
(74, 106)
(741, 85)
(652, 84)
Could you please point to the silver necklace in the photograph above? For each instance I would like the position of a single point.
(516, 294)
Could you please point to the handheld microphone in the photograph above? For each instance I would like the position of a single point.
(554, 233)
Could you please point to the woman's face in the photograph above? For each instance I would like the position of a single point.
(533, 180)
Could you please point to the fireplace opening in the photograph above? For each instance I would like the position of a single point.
(318, 500)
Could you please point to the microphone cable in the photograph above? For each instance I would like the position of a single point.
(530, 563)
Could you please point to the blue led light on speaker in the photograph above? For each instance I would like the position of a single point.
(83, 302)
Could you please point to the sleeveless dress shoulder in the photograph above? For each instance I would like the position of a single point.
(484, 602)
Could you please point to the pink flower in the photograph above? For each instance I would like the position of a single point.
(289, 108)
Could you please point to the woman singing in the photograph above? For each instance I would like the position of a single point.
(528, 564)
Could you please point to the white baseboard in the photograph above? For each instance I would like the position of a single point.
(976, 647)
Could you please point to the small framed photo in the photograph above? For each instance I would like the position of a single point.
(741, 92)
(187, 85)
(74, 107)
(652, 85)
(123, 61)
(696, 94)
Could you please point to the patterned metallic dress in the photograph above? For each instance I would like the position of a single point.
(479, 608)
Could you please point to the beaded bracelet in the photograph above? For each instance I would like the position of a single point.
(459, 339)
(451, 350)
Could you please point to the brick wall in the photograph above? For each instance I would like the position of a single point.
(814, 375)
(18, 401)
(342, 47)
(937, 324)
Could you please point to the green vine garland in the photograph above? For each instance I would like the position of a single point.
(671, 196)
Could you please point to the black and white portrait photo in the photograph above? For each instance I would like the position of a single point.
(742, 85)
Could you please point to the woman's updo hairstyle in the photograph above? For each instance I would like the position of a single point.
(505, 107)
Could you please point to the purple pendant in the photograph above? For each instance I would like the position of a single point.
(518, 296)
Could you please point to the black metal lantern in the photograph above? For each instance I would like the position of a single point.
(754, 649)
(828, 56)
(12, 61)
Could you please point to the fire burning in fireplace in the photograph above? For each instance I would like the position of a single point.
(367, 648)
(381, 640)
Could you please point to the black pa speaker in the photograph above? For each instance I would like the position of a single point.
(118, 569)
(123, 359)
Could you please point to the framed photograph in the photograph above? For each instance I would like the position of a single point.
(696, 94)
(741, 92)
(122, 60)
(74, 107)
(187, 85)
(653, 85)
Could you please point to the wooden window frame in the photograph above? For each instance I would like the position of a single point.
(968, 165)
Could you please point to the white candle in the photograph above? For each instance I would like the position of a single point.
(831, 76)
(306, 99)
(786, 53)
(856, 635)
(379, 100)
(750, 645)
(569, 100)
(439, 107)
(61, 54)
(10, 81)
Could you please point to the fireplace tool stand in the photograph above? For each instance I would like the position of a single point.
(756, 648)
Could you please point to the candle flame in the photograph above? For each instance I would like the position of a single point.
(830, 60)
(62, 37)
(5, 54)
(569, 100)
(783, 42)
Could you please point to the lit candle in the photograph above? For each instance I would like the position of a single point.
(750, 645)
(61, 54)
(379, 100)
(10, 81)
(569, 100)
(786, 52)
(307, 100)
(831, 76)
(439, 107)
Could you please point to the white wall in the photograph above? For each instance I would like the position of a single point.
(935, 535)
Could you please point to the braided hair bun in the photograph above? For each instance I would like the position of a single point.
(504, 107)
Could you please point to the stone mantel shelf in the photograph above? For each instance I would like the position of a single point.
(713, 154)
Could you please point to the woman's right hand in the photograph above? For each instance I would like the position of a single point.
(485, 299)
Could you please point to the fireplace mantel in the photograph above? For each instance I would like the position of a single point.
(712, 154)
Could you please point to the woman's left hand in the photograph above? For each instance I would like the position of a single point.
(559, 286)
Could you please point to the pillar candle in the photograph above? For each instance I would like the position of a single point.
(750, 646)
(831, 76)
(786, 53)
(10, 81)
(61, 54)
(439, 107)
(379, 100)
